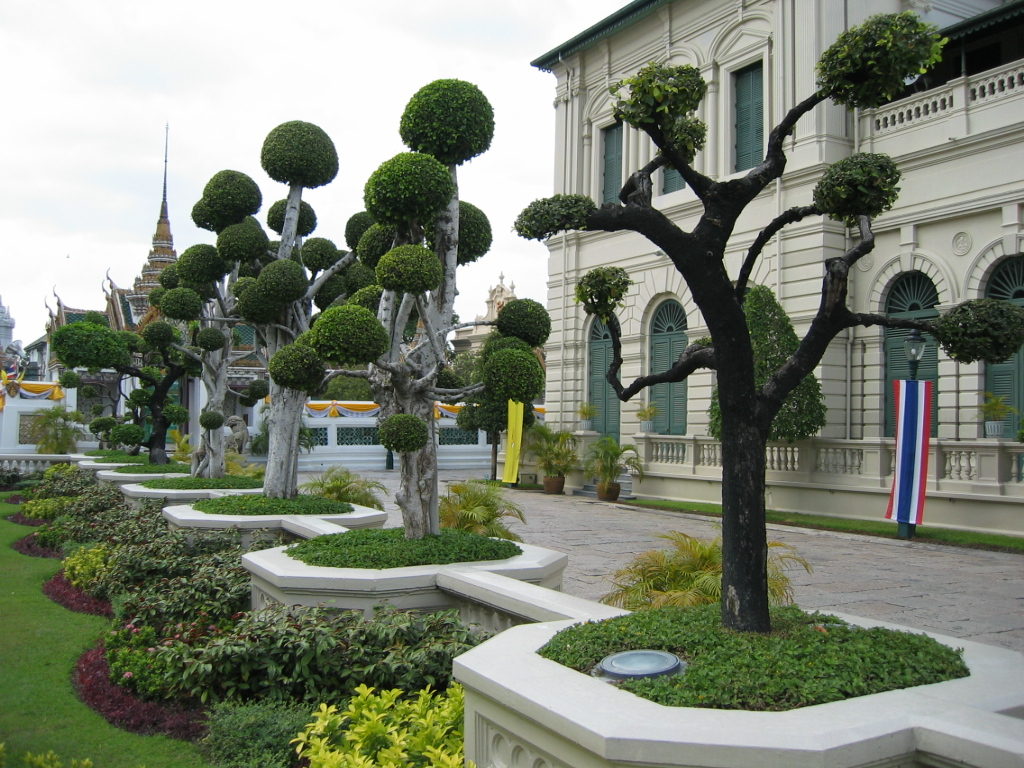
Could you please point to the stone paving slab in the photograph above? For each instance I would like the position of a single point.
(965, 593)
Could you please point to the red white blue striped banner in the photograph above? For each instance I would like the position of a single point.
(913, 433)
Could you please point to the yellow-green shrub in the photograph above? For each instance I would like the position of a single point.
(383, 730)
(84, 566)
(45, 509)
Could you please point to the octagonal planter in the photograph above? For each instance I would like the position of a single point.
(136, 492)
(523, 710)
(277, 577)
(107, 475)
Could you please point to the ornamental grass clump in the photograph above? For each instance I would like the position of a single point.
(807, 659)
(341, 484)
(262, 505)
(388, 548)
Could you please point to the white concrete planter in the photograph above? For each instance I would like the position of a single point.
(276, 577)
(135, 492)
(108, 475)
(523, 710)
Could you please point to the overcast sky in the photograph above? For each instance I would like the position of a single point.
(88, 87)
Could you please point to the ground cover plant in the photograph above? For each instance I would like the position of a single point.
(39, 711)
(122, 458)
(203, 483)
(146, 469)
(388, 548)
(262, 505)
(254, 734)
(807, 659)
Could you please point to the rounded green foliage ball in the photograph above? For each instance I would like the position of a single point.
(356, 225)
(169, 277)
(256, 307)
(550, 215)
(155, 295)
(299, 153)
(102, 424)
(496, 341)
(377, 240)
(282, 281)
(863, 184)
(243, 242)
(331, 289)
(176, 414)
(602, 290)
(868, 65)
(368, 297)
(69, 380)
(211, 339)
(159, 334)
(318, 253)
(228, 197)
(181, 304)
(411, 186)
(140, 397)
(403, 433)
(449, 119)
(409, 269)
(358, 276)
(128, 434)
(349, 335)
(525, 319)
(297, 366)
(474, 233)
(257, 389)
(90, 345)
(242, 285)
(982, 329)
(201, 264)
(512, 374)
(306, 223)
(211, 419)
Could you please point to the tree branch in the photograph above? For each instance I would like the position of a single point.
(788, 217)
(454, 395)
(638, 188)
(328, 273)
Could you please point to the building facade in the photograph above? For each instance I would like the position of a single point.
(956, 233)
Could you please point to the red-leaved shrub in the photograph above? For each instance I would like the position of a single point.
(63, 592)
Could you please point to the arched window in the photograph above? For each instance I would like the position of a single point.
(912, 296)
(602, 396)
(1007, 378)
(668, 340)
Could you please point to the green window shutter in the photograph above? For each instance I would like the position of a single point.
(611, 177)
(668, 340)
(671, 181)
(1007, 378)
(601, 393)
(913, 296)
(749, 111)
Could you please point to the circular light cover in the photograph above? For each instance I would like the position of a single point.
(627, 665)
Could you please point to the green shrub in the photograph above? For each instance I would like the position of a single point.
(409, 269)
(403, 433)
(48, 759)
(203, 483)
(341, 484)
(982, 329)
(299, 367)
(154, 469)
(228, 197)
(261, 505)
(356, 227)
(275, 219)
(64, 480)
(123, 458)
(297, 653)
(181, 304)
(525, 319)
(211, 420)
(449, 119)
(253, 735)
(808, 659)
(387, 728)
(349, 334)
(475, 235)
(243, 242)
(388, 548)
(374, 242)
(547, 216)
(87, 565)
(863, 184)
(297, 152)
(128, 434)
(411, 186)
(45, 509)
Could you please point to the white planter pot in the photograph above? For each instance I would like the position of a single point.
(993, 429)
(647, 427)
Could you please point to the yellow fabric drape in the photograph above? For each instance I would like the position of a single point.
(515, 440)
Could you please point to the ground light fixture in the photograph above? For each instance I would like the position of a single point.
(913, 348)
(630, 665)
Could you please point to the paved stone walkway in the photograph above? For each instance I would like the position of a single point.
(961, 592)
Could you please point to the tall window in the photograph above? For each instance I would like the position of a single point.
(602, 396)
(749, 115)
(611, 174)
(912, 296)
(1007, 378)
(668, 340)
(671, 180)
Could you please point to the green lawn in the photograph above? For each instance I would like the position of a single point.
(39, 643)
(884, 528)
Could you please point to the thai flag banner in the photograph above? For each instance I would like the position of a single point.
(913, 433)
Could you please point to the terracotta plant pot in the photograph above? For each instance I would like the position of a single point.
(608, 491)
(555, 485)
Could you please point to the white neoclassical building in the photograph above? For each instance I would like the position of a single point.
(956, 233)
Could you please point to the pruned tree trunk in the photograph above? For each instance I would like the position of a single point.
(417, 491)
(284, 420)
(215, 381)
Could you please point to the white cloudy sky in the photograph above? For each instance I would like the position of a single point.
(88, 86)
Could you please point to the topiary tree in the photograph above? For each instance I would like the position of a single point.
(153, 359)
(866, 66)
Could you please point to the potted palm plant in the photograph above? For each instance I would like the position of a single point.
(555, 452)
(586, 412)
(606, 461)
(994, 411)
(647, 415)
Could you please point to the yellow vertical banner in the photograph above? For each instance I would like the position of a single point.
(514, 442)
